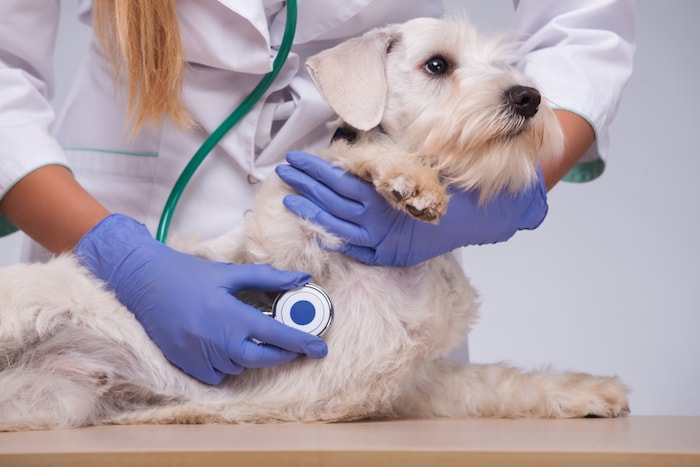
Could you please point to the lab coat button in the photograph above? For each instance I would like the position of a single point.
(252, 179)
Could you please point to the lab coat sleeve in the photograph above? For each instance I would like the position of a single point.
(579, 53)
(27, 36)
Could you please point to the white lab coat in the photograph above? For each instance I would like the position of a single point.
(229, 45)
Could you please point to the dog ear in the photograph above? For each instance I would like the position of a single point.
(351, 77)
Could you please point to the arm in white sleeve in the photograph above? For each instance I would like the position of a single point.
(579, 53)
(27, 37)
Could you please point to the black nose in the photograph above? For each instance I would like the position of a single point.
(524, 100)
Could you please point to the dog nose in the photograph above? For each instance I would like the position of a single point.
(524, 100)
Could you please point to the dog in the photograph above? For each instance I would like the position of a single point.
(429, 103)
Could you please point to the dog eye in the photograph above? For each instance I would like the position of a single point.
(436, 66)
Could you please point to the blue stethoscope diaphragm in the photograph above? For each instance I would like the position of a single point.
(307, 308)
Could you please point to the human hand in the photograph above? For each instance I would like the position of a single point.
(186, 303)
(377, 233)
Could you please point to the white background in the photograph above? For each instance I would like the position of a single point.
(609, 283)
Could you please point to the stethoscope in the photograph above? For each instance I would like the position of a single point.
(230, 121)
(307, 308)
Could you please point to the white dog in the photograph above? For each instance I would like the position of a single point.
(443, 97)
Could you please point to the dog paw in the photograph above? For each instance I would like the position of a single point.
(600, 397)
(610, 404)
(425, 200)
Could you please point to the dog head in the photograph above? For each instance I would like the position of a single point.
(446, 94)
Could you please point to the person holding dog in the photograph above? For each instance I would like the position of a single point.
(161, 75)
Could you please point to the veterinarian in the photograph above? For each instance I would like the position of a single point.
(95, 179)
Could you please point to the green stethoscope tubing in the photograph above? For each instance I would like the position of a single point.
(235, 116)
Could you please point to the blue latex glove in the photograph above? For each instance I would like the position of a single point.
(186, 306)
(377, 233)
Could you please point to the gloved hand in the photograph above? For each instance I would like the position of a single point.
(377, 233)
(186, 306)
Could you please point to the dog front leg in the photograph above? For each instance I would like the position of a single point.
(450, 389)
(403, 178)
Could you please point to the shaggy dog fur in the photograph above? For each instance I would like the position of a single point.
(73, 356)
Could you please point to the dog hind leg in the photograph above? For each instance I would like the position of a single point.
(73, 378)
(450, 389)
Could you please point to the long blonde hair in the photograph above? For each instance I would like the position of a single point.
(142, 40)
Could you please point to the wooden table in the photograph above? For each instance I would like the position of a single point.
(631, 441)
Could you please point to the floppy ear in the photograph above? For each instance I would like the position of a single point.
(351, 77)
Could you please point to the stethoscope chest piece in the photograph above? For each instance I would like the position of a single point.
(307, 308)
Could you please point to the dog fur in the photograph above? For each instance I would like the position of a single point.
(73, 356)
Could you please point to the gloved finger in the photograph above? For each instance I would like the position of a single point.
(262, 355)
(221, 366)
(264, 277)
(366, 255)
(538, 208)
(319, 193)
(349, 231)
(265, 329)
(337, 179)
